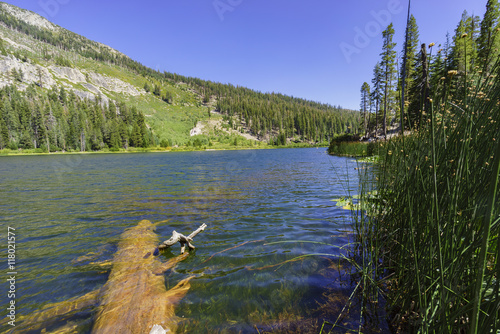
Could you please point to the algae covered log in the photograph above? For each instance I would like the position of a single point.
(134, 299)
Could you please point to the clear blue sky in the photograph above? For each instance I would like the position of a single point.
(288, 46)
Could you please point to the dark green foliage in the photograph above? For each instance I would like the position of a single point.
(168, 97)
(165, 143)
(352, 149)
(388, 66)
(412, 50)
(376, 94)
(197, 142)
(347, 145)
(136, 139)
(18, 75)
(489, 38)
(465, 49)
(350, 145)
(264, 113)
(418, 92)
(61, 61)
(156, 90)
(57, 121)
(25, 140)
(4, 133)
(2, 48)
(281, 139)
(365, 104)
(412, 74)
(346, 138)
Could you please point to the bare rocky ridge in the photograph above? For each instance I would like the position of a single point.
(16, 45)
(52, 76)
(29, 17)
(94, 83)
(30, 72)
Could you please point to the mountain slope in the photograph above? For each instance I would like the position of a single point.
(40, 57)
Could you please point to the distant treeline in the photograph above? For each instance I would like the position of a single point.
(267, 113)
(62, 121)
(276, 115)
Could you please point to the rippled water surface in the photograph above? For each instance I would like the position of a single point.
(66, 206)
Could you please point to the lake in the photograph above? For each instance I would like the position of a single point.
(65, 206)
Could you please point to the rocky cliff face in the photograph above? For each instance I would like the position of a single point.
(28, 17)
(24, 73)
(18, 69)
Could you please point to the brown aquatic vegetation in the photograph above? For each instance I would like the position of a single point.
(134, 298)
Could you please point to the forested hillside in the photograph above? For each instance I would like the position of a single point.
(65, 92)
(62, 121)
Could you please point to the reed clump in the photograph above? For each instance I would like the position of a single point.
(429, 243)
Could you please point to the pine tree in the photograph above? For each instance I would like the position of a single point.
(38, 127)
(124, 136)
(408, 69)
(157, 90)
(388, 65)
(4, 131)
(63, 95)
(489, 38)
(135, 136)
(168, 97)
(464, 51)
(115, 140)
(437, 70)
(25, 140)
(11, 119)
(365, 105)
(376, 95)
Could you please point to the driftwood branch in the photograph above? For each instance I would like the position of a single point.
(182, 239)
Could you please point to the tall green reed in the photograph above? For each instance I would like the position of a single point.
(429, 242)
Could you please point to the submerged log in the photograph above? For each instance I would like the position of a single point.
(134, 299)
(183, 240)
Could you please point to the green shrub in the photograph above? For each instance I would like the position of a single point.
(165, 143)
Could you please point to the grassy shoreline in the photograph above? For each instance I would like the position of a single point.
(21, 152)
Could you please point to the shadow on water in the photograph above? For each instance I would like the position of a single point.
(69, 208)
